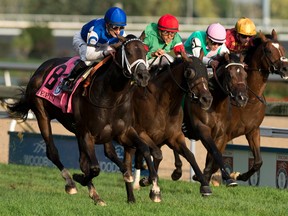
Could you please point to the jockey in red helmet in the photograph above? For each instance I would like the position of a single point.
(161, 38)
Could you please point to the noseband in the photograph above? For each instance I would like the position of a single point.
(125, 63)
(272, 68)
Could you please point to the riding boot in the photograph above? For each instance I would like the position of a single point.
(68, 81)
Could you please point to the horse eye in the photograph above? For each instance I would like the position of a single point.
(190, 73)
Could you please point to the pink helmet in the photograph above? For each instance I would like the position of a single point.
(216, 32)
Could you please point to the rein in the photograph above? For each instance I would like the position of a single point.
(198, 81)
(124, 62)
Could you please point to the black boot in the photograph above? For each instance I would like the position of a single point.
(67, 83)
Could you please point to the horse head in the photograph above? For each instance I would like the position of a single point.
(196, 76)
(234, 78)
(273, 55)
(132, 59)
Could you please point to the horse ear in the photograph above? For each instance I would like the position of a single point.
(201, 54)
(185, 56)
(121, 38)
(242, 58)
(262, 36)
(274, 34)
(142, 36)
(226, 56)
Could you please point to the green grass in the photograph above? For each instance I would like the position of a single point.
(26, 190)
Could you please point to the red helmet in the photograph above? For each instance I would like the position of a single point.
(168, 23)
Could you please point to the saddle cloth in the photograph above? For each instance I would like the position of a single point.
(51, 91)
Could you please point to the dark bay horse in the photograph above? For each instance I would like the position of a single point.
(158, 111)
(230, 79)
(265, 57)
(103, 114)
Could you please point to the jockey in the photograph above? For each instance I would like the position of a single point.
(211, 42)
(92, 42)
(240, 38)
(162, 38)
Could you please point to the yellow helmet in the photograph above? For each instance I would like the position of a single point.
(245, 26)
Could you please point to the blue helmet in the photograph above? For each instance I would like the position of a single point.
(115, 16)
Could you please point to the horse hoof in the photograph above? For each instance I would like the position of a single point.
(79, 178)
(231, 183)
(235, 175)
(176, 175)
(131, 201)
(205, 191)
(136, 186)
(155, 197)
(195, 178)
(144, 182)
(70, 189)
(100, 202)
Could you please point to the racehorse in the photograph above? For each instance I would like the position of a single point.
(230, 79)
(102, 114)
(160, 122)
(227, 85)
(265, 57)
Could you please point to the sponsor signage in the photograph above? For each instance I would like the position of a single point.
(273, 172)
(30, 149)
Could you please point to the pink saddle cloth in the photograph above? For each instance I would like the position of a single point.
(51, 91)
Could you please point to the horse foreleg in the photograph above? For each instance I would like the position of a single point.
(217, 162)
(110, 153)
(180, 147)
(94, 195)
(155, 193)
(177, 173)
(254, 143)
(129, 152)
(88, 162)
(51, 150)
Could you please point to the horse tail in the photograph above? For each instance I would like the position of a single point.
(19, 110)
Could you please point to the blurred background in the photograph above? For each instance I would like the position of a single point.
(32, 31)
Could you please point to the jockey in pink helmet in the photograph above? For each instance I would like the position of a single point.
(211, 42)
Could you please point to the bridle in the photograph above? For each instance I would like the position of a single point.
(126, 68)
(272, 68)
(227, 90)
(125, 65)
(195, 82)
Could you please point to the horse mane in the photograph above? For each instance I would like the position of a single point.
(257, 41)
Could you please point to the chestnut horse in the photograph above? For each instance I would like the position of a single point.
(103, 114)
(265, 57)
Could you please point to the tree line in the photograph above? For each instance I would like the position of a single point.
(181, 8)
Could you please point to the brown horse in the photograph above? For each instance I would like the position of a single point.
(230, 80)
(158, 112)
(265, 57)
(105, 113)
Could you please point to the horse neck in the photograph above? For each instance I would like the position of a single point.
(257, 74)
(111, 86)
(168, 88)
(217, 90)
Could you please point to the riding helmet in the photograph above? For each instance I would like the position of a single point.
(169, 23)
(115, 16)
(245, 26)
(216, 32)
